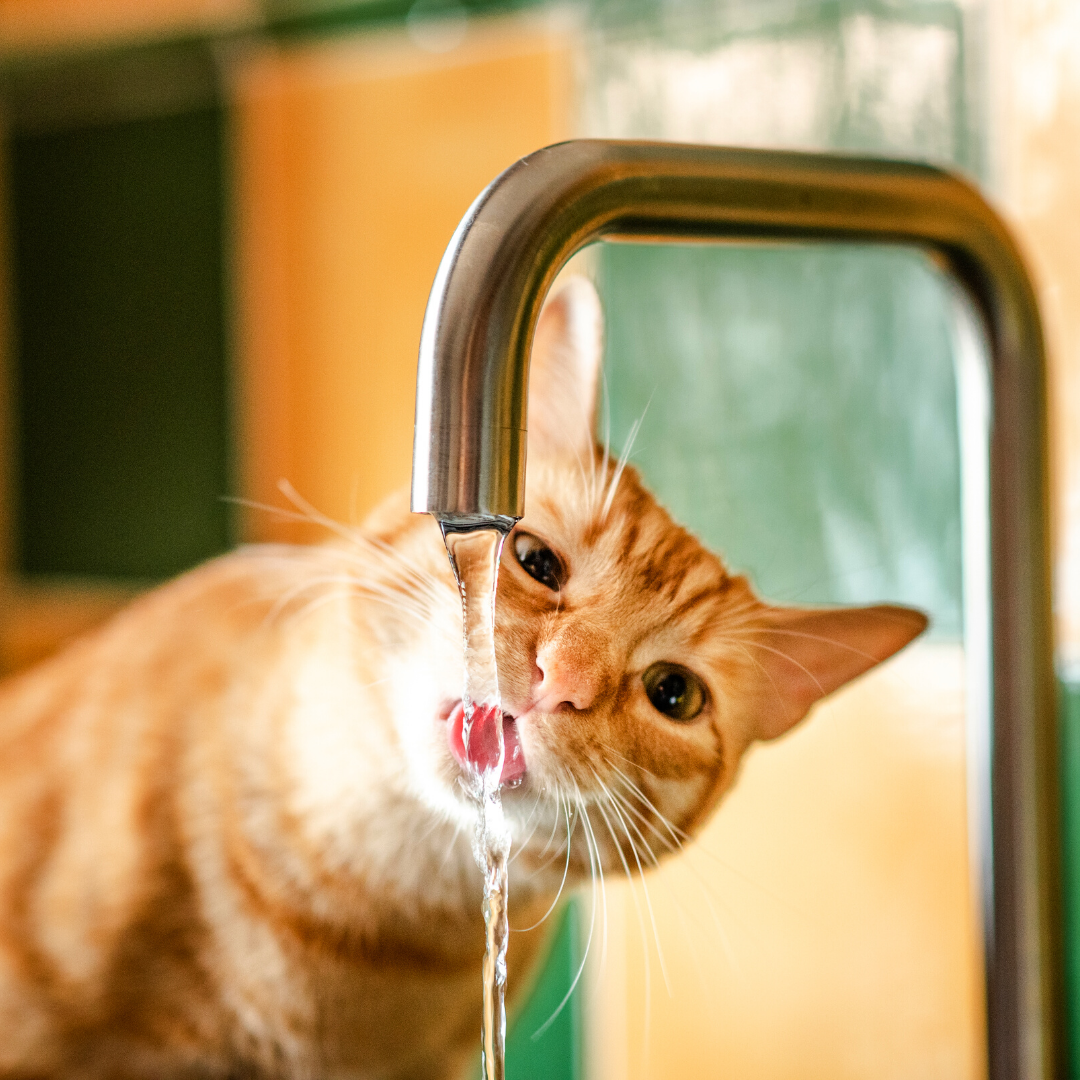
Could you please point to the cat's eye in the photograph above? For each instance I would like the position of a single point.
(539, 561)
(674, 691)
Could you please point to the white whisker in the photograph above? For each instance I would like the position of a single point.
(592, 923)
(562, 884)
(616, 476)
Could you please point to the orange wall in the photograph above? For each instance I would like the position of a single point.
(354, 163)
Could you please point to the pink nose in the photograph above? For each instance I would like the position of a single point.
(562, 683)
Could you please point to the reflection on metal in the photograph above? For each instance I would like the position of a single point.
(469, 453)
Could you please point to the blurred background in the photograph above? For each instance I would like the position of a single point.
(219, 221)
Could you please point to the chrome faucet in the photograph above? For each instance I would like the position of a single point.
(470, 443)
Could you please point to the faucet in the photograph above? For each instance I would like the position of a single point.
(470, 442)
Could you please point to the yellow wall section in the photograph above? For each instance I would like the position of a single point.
(822, 926)
(1037, 124)
(354, 163)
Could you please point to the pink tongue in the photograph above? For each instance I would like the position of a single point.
(483, 749)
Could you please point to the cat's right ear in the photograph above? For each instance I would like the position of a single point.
(565, 369)
(803, 654)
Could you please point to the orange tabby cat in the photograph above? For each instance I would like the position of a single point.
(233, 841)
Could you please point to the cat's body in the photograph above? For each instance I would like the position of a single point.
(233, 841)
(177, 884)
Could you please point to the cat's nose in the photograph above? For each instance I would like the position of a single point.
(559, 686)
(570, 672)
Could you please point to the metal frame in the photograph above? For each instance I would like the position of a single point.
(469, 452)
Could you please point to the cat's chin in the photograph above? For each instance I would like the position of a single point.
(514, 766)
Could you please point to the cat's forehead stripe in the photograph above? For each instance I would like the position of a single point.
(707, 594)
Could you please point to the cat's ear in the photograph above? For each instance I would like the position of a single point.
(803, 654)
(564, 370)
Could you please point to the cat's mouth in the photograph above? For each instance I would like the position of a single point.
(482, 750)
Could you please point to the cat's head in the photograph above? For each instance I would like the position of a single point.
(634, 668)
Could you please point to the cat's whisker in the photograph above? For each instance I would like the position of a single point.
(554, 827)
(600, 477)
(590, 485)
(284, 600)
(313, 514)
(761, 667)
(616, 476)
(387, 558)
(645, 889)
(540, 868)
(306, 512)
(588, 944)
(520, 845)
(672, 846)
(680, 838)
(693, 939)
(677, 834)
(785, 656)
(596, 869)
(451, 847)
(735, 617)
(628, 446)
(615, 806)
(339, 594)
(579, 452)
(846, 646)
(562, 884)
(269, 508)
(418, 587)
(438, 820)
(361, 566)
(333, 596)
(622, 859)
(400, 601)
(629, 761)
(556, 852)
(645, 953)
(396, 560)
(689, 852)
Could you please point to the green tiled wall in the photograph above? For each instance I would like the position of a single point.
(799, 413)
(537, 1047)
(121, 389)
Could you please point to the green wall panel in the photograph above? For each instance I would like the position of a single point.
(120, 345)
(544, 1038)
(798, 411)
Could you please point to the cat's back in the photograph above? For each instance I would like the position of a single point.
(93, 748)
(161, 656)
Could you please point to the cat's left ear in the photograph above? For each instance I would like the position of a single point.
(803, 654)
(564, 370)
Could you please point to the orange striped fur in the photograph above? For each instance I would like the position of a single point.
(233, 840)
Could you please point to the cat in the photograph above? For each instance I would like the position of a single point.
(234, 839)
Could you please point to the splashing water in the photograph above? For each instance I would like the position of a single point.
(474, 555)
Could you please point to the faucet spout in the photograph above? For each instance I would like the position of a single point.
(472, 381)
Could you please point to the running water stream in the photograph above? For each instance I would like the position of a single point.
(474, 555)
